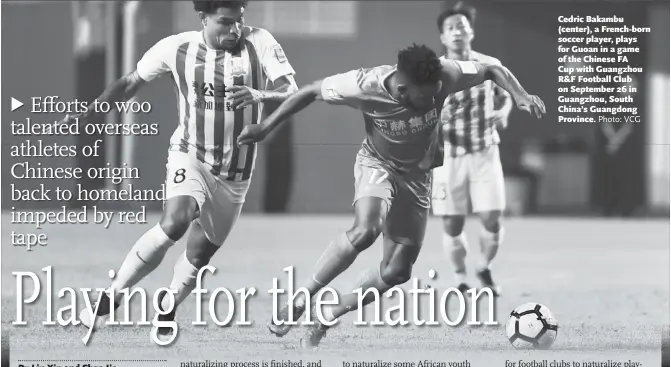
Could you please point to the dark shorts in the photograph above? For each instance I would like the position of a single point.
(408, 198)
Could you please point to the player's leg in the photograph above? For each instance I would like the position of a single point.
(338, 256)
(370, 213)
(199, 251)
(394, 269)
(488, 197)
(374, 192)
(149, 250)
(491, 237)
(403, 236)
(208, 233)
(455, 246)
(450, 202)
(185, 194)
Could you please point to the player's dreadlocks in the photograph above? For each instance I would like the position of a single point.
(459, 9)
(420, 64)
(210, 6)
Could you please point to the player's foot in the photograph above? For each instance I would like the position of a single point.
(283, 315)
(315, 333)
(102, 312)
(164, 332)
(485, 277)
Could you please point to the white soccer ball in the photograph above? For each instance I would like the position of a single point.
(531, 326)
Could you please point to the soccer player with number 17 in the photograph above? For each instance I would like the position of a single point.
(401, 106)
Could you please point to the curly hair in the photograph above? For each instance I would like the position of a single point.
(459, 9)
(211, 6)
(420, 64)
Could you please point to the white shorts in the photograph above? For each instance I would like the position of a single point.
(220, 201)
(475, 179)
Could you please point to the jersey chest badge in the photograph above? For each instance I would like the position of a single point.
(236, 67)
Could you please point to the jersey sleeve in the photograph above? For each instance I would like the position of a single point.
(154, 63)
(275, 63)
(461, 75)
(343, 89)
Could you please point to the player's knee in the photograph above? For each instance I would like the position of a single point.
(176, 221)
(199, 248)
(198, 260)
(395, 274)
(491, 221)
(453, 224)
(175, 225)
(200, 256)
(364, 235)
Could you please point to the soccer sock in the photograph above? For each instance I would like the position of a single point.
(337, 257)
(143, 258)
(350, 302)
(456, 249)
(489, 246)
(183, 281)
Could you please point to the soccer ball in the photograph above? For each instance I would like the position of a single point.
(531, 326)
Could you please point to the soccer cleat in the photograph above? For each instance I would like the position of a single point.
(283, 315)
(314, 335)
(485, 277)
(103, 310)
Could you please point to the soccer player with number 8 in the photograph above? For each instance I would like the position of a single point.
(223, 75)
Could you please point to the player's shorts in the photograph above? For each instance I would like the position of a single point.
(408, 198)
(220, 201)
(469, 183)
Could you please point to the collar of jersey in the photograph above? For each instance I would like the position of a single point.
(473, 57)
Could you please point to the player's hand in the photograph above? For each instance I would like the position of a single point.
(532, 104)
(252, 134)
(242, 96)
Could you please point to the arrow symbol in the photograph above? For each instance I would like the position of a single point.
(16, 104)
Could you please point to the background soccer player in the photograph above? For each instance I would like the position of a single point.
(471, 177)
(218, 72)
(400, 105)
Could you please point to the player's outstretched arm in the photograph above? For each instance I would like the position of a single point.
(505, 79)
(243, 96)
(154, 64)
(462, 75)
(295, 103)
(120, 91)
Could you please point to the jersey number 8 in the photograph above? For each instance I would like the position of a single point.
(179, 176)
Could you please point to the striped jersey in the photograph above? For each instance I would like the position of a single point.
(468, 116)
(404, 140)
(208, 127)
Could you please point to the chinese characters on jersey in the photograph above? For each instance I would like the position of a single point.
(203, 90)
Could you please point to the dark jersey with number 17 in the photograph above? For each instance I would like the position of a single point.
(405, 140)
